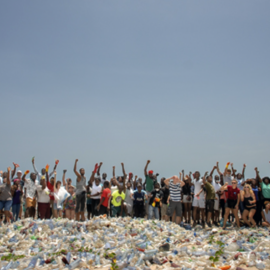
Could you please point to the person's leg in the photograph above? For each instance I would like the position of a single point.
(178, 212)
(77, 209)
(89, 210)
(265, 224)
(41, 210)
(185, 211)
(72, 214)
(68, 215)
(14, 212)
(235, 213)
(227, 212)
(189, 212)
(251, 215)
(156, 212)
(150, 211)
(195, 215)
(83, 200)
(245, 217)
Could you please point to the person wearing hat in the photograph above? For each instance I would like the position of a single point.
(149, 181)
(266, 214)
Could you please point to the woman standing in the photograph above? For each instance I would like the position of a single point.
(187, 198)
(70, 203)
(257, 192)
(249, 200)
(16, 201)
(265, 185)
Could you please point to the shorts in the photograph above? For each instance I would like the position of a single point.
(216, 205)
(198, 202)
(164, 208)
(174, 206)
(230, 204)
(103, 210)
(129, 208)
(89, 208)
(210, 205)
(250, 208)
(80, 202)
(185, 199)
(30, 203)
(6, 205)
(55, 207)
(116, 210)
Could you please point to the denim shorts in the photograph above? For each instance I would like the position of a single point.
(5, 205)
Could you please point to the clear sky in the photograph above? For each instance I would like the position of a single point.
(182, 83)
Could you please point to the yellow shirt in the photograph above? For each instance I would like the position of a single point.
(117, 198)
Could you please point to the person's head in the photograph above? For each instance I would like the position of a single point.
(267, 205)
(104, 175)
(249, 181)
(106, 184)
(5, 175)
(157, 187)
(209, 179)
(19, 174)
(71, 190)
(217, 179)
(247, 189)
(151, 174)
(33, 176)
(16, 186)
(69, 181)
(140, 180)
(43, 171)
(254, 182)
(139, 188)
(97, 181)
(58, 184)
(266, 180)
(130, 175)
(162, 180)
(197, 175)
(120, 179)
(120, 188)
(229, 172)
(114, 181)
(234, 183)
(239, 176)
(82, 171)
(42, 181)
(52, 180)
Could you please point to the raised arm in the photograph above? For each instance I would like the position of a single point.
(233, 171)
(167, 181)
(13, 171)
(75, 170)
(183, 174)
(98, 170)
(146, 166)
(34, 166)
(113, 171)
(211, 173)
(124, 172)
(8, 176)
(182, 183)
(224, 187)
(203, 179)
(257, 175)
(64, 178)
(54, 184)
(24, 175)
(135, 182)
(219, 172)
(54, 168)
(243, 171)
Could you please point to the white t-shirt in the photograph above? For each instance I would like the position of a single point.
(239, 184)
(197, 187)
(216, 186)
(43, 194)
(96, 189)
(267, 216)
(128, 199)
(31, 188)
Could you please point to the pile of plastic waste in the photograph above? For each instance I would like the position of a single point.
(125, 243)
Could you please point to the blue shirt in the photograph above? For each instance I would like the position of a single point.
(256, 191)
(139, 197)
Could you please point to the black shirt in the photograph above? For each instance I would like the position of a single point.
(156, 194)
(166, 193)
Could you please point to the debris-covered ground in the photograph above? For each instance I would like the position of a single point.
(125, 243)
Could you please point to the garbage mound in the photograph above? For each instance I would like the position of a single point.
(126, 243)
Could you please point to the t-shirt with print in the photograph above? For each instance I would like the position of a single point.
(106, 193)
(117, 198)
(139, 197)
(210, 191)
(156, 194)
(31, 188)
(232, 193)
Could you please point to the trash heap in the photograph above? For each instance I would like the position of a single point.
(125, 243)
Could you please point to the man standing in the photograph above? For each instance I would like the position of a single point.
(139, 196)
(118, 197)
(175, 186)
(102, 207)
(80, 192)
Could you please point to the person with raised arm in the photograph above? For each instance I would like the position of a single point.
(198, 200)
(232, 203)
(43, 170)
(187, 198)
(265, 186)
(43, 199)
(104, 175)
(31, 193)
(96, 191)
(102, 207)
(210, 197)
(249, 200)
(66, 182)
(175, 186)
(80, 192)
(5, 196)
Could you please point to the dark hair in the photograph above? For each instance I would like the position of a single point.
(156, 184)
(106, 184)
(58, 182)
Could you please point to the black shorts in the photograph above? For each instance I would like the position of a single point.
(210, 205)
(230, 204)
(80, 202)
(103, 210)
(250, 208)
(89, 208)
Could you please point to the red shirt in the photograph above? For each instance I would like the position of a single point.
(106, 193)
(232, 193)
(50, 187)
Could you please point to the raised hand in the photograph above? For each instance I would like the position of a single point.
(76, 160)
(64, 171)
(244, 165)
(148, 161)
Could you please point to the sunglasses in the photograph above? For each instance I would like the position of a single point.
(234, 183)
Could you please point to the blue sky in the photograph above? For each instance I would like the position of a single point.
(182, 83)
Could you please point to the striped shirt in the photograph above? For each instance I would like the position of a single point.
(175, 191)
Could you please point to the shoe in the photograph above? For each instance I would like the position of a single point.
(203, 225)
(209, 224)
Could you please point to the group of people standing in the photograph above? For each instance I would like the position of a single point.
(184, 198)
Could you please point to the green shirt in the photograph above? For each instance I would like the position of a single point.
(117, 198)
(210, 191)
(265, 190)
(150, 182)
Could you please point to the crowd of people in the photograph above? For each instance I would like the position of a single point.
(189, 198)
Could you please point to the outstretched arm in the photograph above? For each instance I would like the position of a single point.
(8, 176)
(204, 180)
(54, 184)
(243, 171)
(113, 171)
(146, 166)
(14, 171)
(64, 178)
(75, 170)
(98, 170)
(123, 170)
(34, 166)
(233, 171)
(124, 180)
(211, 173)
(219, 172)
(257, 175)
